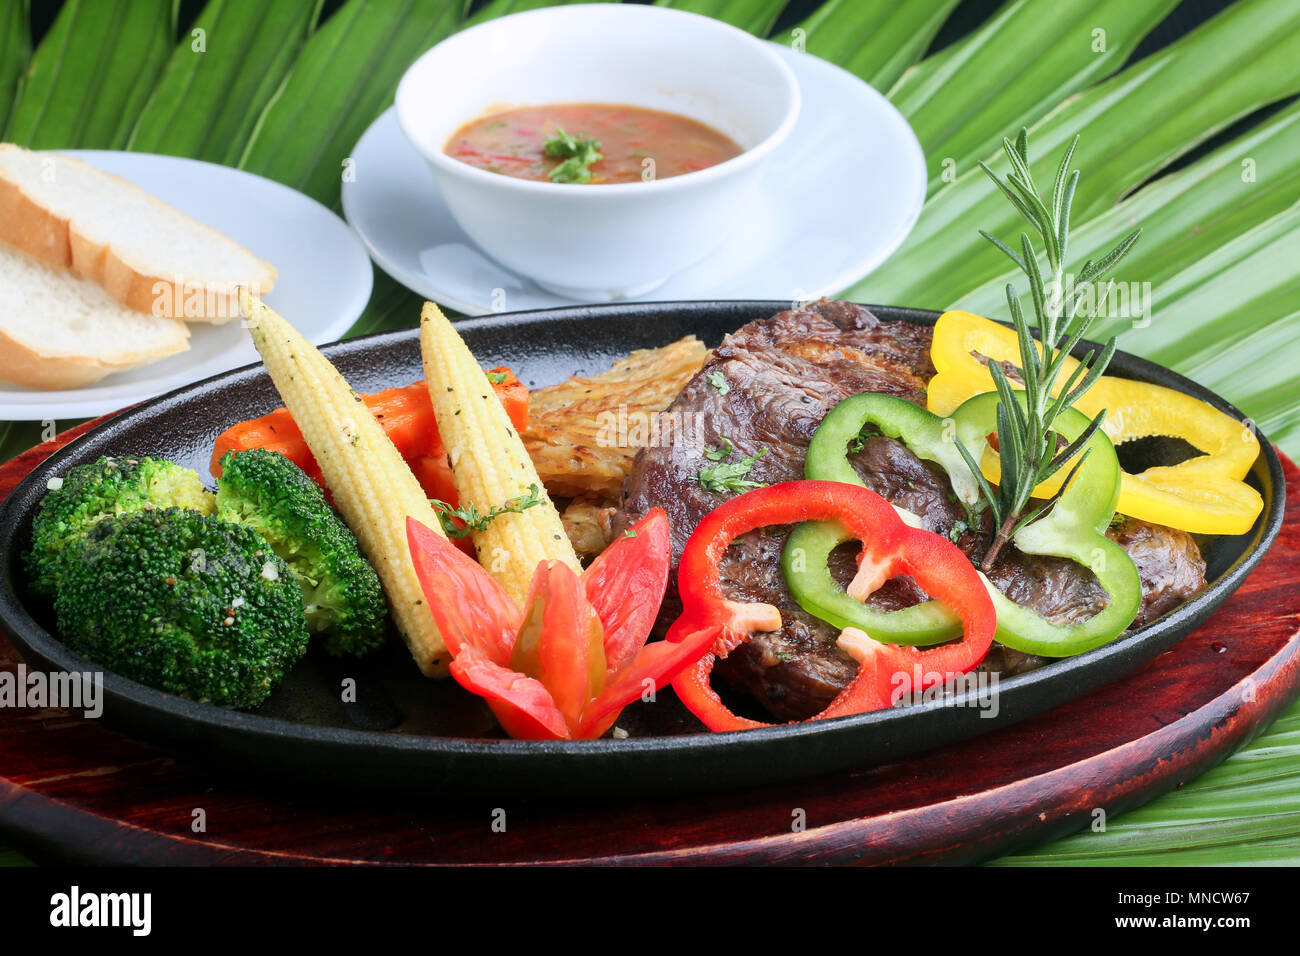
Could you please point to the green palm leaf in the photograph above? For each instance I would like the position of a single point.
(1248, 273)
(80, 91)
(392, 306)
(1252, 799)
(1044, 52)
(221, 76)
(15, 48)
(756, 16)
(1260, 377)
(501, 8)
(874, 39)
(345, 77)
(1132, 125)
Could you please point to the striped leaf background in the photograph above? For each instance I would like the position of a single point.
(1189, 122)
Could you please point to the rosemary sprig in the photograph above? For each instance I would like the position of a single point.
(1028, 446)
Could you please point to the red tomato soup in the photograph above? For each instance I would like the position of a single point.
(635, 144)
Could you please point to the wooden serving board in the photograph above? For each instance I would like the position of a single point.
(73, 790)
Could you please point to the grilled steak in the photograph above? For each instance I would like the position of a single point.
(767, 388)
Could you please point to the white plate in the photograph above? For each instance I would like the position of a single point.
(323, 286)
(835, 200)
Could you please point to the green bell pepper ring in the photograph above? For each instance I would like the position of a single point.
(804, 559)
(1073, 529)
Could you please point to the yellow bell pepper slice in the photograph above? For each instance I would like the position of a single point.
(1205, 494)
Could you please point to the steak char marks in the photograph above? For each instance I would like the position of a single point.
(767, 388)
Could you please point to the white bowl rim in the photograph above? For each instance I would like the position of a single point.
(693, 179)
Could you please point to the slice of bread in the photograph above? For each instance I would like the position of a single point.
(147, 255)
(61, 331)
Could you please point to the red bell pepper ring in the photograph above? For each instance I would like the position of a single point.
(886, 672)
(564, 666)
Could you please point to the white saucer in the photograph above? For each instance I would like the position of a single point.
(836, 199)
(323, 286)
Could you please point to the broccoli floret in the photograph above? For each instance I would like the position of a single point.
(183, 602)
(107, 487)
(344, 600)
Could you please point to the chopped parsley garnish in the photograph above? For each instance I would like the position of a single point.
(497, 378)
(718, 381)
(958, 529)
(577, 152)
(629, 533)
(475, 520)
(860, 439)
(731, 476)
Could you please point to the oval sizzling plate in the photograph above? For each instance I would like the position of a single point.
(408, 733)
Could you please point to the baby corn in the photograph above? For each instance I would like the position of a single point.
(371, 484)
(489, 463)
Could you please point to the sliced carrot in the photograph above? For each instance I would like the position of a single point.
(405, 414)
(512, 393)
(434, 475)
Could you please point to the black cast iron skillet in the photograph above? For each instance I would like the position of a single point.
(408, 733)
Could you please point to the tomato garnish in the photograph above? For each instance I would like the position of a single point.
(564, 666)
